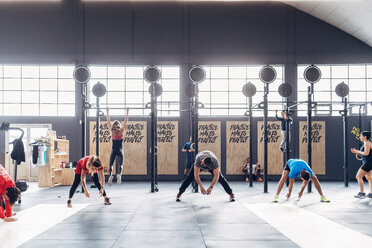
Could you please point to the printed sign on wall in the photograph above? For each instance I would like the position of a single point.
(237, 146)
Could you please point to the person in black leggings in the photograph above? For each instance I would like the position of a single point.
(117, 152)
(366, 169)
(89, 165)
(205, 161)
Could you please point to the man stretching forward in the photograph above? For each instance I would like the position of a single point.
(205, 161)
(298, 168)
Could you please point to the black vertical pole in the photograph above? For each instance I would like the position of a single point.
(156, 143)
(287, 146)
(196, 130)
(309, 129)
(83, 120)
(360, 124)
(266, 91)
(152, 146)
(97, 127)
(250, 143)
(346, 152)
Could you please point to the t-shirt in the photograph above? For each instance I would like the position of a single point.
(206, 154)
(5, 183)
(283, 122)
(187, 146)
(82, 165)
(296, 166)
(253, 167)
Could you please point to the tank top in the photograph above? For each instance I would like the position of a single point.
(367, 159)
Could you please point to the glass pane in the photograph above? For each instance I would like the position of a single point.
(170, 96)
(66, 110)
(48, 72)
(205, 86)
(66, 97)
(134, 72)
(369, 85)
(279, 72)
(237, 97)
(326, 71)
(219, 97)
(339, 71)
(220, 111)
(357, 71)
(116, 85)
(30, 84)
(323, 85)
(66, 85)
(12, 71)
(98, 72)
(12, 109)
(134, 97)
(219, 85)
(36, 133)
(48, 84)
(237, 72)
(170, 72)
(30, 109)
(259, 85)
(116, 97)
(48, 97)
(204, 112)
(48, 109)
(369, 71)
(204, 97)
(322, 96)
(30, 71)
(357, 84)
(236, 85)
(170, 84)
(12, 84)
(65, 71)
(116, 72)
(238, 112)
(302, 96)
(12, 97)
(252, 71)
(219, 72)
(135, 85)
(302, 85)
(30, 97)
(357, 96)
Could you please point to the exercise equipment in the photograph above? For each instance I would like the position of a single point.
(81, 74)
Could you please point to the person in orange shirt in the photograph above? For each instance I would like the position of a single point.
(89, 165)
(9, 194)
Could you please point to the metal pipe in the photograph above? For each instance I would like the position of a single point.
(265, 138)
(345, 140)
(97, 127)
(309, 128)
(250, 143)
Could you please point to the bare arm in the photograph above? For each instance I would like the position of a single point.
(125, 121)
(367, 148)
(102, 177)
(197, 178)
(304, 183)
(108, 118)
(82, 178)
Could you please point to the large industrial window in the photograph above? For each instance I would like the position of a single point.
(126, 87)
(37, 90)
(358, 77)
(221, 92)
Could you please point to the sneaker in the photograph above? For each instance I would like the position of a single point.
(324, 199)
(107, 201)
(281, 149)
(276, 198)
(360, 195)
(109, 182)
(178, 197)
(118, 179)
(259, 179)
(69, 205)
(369, 195)
(232, 198)
(247, 179)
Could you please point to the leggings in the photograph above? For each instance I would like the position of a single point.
(119, 155)
(77, 182)
(190, 177)
(284, 140)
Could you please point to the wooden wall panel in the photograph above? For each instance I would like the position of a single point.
(237, 146)
(168, 147)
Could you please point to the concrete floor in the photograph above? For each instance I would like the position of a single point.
(138, 218)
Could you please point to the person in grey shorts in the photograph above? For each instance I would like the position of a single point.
(205, 161)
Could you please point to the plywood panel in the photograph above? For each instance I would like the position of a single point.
(237, 146)
(210, 137)
(167, 147)
(135, 146)
(275, 156)
(317, 143)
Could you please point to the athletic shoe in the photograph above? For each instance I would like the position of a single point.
(232, 198)
(247, 179)
(324, 199)
(109, 182)
(369, 195)
(118, 179)
(259, 179)
(107, 201)
(281, 149)
(69, 205)
(276, 198)
(178, 197)
(360, 195)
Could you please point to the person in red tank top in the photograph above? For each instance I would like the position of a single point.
(89, 165)
(117, 153)
(9, 194)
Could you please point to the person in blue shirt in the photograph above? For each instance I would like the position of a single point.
(298, 168)
(187, 147)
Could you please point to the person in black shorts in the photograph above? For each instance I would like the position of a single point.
(366, 169)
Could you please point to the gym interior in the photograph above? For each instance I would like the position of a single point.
(192, 119)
